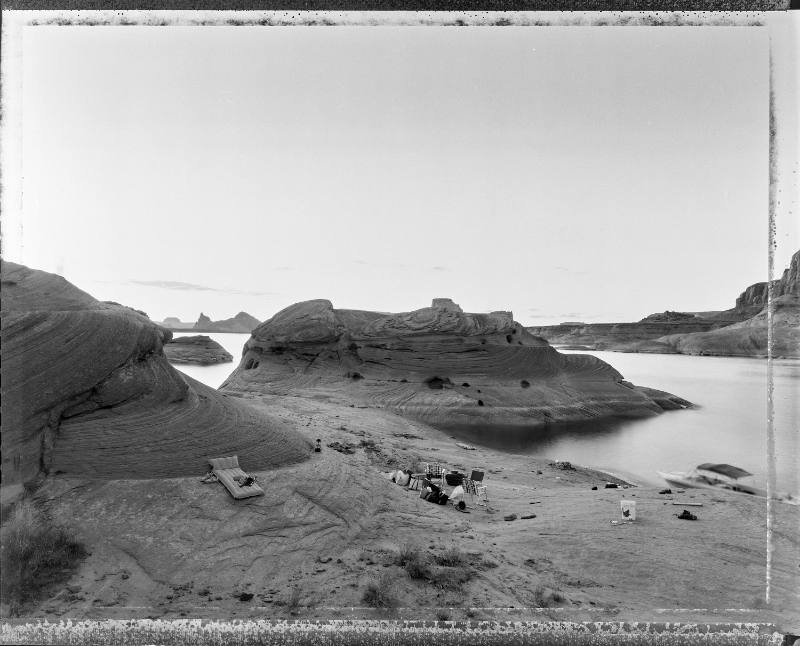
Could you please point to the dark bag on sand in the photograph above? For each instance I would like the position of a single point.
(443, 497)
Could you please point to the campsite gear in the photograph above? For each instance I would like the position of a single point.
(628, 509)
(686, 515)
(611, 485)
(434, 470)
(402, 478)
(721, 476)
(209, 478)
(454, 478)
(665, 491)
(461, 506)
(416, 480)
(691, 504)
(226, 470)
(476, 476)
(318, 448)
(457, 494)
(594, 488)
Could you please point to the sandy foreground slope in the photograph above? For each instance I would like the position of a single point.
(329, 526)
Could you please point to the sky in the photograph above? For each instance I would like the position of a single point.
(562, 173)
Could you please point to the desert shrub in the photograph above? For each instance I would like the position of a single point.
(34, 554)
(443, 614)
(451, 557)
(417, 569)
(406, 553)
(413, 560)
(377, 594)
(547, 598)
(525, 383)
(451, 578)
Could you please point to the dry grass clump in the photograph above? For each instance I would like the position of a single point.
(293, 600)
(378, 594)
(547, 598)
(452, 557)
(451, 578)
(413, 560)
(34, 554)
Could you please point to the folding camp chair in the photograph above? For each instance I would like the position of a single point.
(435, 470)
(474, 487)
(227, 470)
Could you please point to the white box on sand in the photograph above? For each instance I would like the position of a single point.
(628, 509)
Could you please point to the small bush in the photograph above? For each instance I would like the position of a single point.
(34, 555)
(442, 614)
(377, 595)
(413, 561)
(452, 557)
(417, 569)
(407, 553)
(547, 598)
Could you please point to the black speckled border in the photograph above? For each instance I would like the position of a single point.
(540, 13)
(381, 632)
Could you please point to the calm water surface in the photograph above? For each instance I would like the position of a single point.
(215, 375)
(729, 424)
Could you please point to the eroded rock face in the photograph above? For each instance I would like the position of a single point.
(242, 323)
(87, 390)
(437, 364)
(198, 349)
(740, 331)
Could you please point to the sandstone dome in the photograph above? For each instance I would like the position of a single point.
(87, 391)
(438, 364)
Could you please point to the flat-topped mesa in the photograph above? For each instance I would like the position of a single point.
(88, 392)
(438, 364)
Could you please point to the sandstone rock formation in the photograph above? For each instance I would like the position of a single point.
(438, 364)
(739, 331)
(242, 323)
(198, 349)
(87, 391)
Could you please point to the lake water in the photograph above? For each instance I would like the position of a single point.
(729, 424)
(215, 375)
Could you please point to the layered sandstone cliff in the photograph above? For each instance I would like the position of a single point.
(87, 391)
(437, 364)
(739, 331)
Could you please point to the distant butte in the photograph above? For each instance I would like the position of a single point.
(438, 364)
(242, 323)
